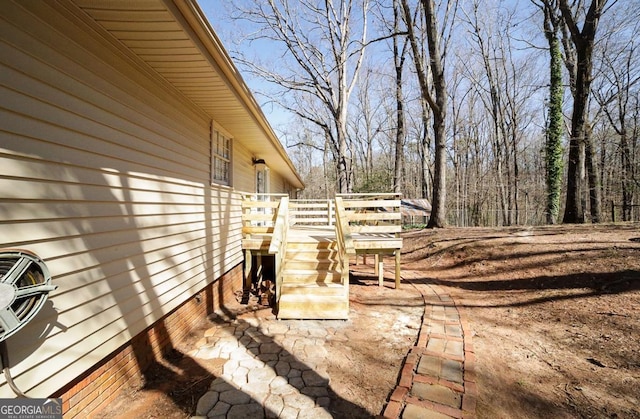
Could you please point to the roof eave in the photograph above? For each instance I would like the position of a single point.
(198, 23)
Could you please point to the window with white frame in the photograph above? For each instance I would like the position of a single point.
(220, 158)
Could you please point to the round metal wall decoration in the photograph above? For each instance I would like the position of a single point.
(25, 284)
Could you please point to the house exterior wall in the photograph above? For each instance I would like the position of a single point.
(243, 170)
(244, 175)
(124, 368)
(105, 174)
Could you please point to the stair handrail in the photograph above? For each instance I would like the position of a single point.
(344, 240)
(278, 244)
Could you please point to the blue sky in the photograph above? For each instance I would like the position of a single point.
(218, 13)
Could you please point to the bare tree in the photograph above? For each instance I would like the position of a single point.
(619, 75)
(582, 42)
(504, 84)
(399, 56)
(364, 127)
(494, 106)
(436, 98)
(460, 150)
(371, 124)
(326, 42)
(418, 156)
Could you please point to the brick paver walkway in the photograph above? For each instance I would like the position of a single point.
(438, 376)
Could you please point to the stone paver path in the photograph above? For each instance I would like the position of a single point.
(278, 369)
(263, 377)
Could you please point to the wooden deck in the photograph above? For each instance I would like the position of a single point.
(312, 244)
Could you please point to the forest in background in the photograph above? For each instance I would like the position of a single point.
(367, 99)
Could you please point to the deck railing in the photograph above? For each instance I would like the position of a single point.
(365, 224)
(375, 222)
(259, 216)
(312, 212)
(344, 241)
(371, 213)
(278, 245)
(259, 213)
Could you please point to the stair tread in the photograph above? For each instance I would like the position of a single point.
(312, 284)
(329, 246)
(319, 299)
(313, 264)
(310, 258)
(309, 271)
(312, 254)
(310, 278)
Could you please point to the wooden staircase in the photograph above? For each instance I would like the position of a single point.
(312, 284)
(312, 243)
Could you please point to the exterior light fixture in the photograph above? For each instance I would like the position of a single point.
(261, 175)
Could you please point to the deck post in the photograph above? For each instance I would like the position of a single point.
(259, 268)
(398, 269)
(247, 269)
(380, 269)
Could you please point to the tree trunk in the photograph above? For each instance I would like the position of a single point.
(573, 212)
(555, 131)
(425, 146)
(398, 58)
(343, 165)
(438, 204)
(595, 201)
(627, 191)
(325, 166)
(439, 109)
(438, 104)
(583, 40)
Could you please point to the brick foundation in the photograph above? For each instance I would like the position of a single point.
(125, 367)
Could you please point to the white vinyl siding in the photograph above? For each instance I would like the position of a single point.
(243, 170)
(105, 174)
(277, 183)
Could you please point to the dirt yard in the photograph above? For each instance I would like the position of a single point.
(555, 313)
